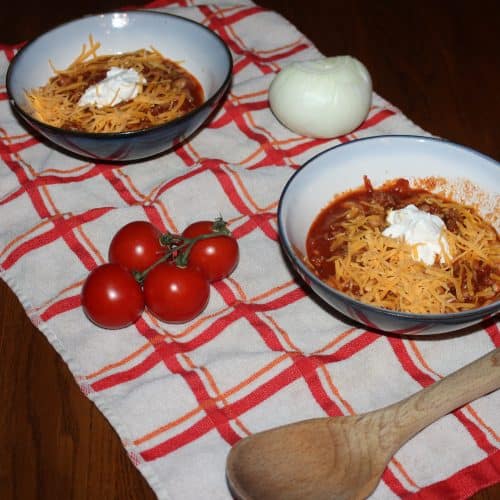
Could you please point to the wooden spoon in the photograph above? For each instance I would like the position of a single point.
(344, 457)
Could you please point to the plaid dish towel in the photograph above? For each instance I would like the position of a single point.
(263, 353)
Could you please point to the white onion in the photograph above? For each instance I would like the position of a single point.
(322, 98)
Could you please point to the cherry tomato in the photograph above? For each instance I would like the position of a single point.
(111, 297)
(215, 257)
(136, 246)
(175, 294)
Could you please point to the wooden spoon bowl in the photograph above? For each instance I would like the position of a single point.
(344, 457)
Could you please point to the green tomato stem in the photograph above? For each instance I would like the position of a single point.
(181, 247)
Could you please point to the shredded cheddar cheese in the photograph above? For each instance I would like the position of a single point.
(169, 93)
(383, 271)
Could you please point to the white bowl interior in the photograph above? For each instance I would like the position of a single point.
(197, 49)
(471, 178)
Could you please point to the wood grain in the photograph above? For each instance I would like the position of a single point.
(343, 458)
(436, 60)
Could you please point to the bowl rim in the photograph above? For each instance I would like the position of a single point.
(208, 103)
(488, 310)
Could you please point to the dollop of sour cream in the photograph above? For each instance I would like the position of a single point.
(119, 85)
(422, 230)
(322, 98)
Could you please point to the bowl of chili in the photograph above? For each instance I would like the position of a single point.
(333, 226)
(177, 72)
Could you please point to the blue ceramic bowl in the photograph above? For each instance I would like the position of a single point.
(462, 173)
(200, 51)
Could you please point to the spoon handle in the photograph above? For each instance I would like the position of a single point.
(466, 384)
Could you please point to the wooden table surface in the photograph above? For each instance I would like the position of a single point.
(436, 60)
